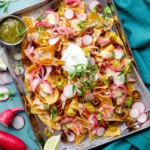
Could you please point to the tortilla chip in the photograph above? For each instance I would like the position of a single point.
(108, 48)
(46, 52)
(79, 9)
(50, 62)
(112, 131)
(46, 119)
(51, 99)
(79, 138)
(74, 104)
(104, 100)
(92, 136)
(130, 89)
(29, 21)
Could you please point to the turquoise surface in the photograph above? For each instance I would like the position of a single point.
(134, 15)
(26, 133)
(18, 5)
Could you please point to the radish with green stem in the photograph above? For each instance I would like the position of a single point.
(7, 116)
(19, 69)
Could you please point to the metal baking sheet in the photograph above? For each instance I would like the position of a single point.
(145, 95)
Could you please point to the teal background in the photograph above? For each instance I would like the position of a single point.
(26, 133)
(18, 5)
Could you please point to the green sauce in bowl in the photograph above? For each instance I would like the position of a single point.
(11, 30)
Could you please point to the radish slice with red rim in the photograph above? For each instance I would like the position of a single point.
(93, 120)
(134, 112)
(69, 90)
(4, 93)
(6, 78)
(70, 136)
(142, 118)
(81, 17)
(69, 13)
(100, 131)
(140, 106)
(92, 4)
(146, 123)
(19, 70)
(17, 56)
(18, 122)
(87, 40)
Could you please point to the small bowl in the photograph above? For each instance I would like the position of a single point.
(12, 30)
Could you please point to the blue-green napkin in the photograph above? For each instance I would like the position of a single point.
(135, 18)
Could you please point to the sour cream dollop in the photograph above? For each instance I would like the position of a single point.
(72, 56)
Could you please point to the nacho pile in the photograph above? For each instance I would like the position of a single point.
(78, 74)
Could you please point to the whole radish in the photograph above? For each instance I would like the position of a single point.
(11, 142)
(7, 116)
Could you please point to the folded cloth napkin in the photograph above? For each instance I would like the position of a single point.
(135, 18)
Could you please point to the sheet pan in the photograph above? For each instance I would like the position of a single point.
(38, 126)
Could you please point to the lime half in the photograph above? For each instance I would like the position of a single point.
(52, 143)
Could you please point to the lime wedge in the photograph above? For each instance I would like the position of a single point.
(52, 143)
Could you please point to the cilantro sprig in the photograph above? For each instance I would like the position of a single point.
(53, 112)
(85, 77)
(20, 33)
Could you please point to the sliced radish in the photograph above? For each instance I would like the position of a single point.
(93, 120)
(70, 136)
(19, 70)
(18, 122)
(17, 56)
(142, 117)
(146, 123)
(6, 78)
(4, 93)
(52, 19)
(100, 131)
(118, 78)
(69, 91)
(118, 53)
(140, 106)
(134, 112)
(87, 40)
(54, 40)
(69, 13)
(92, 4)
(81, 17)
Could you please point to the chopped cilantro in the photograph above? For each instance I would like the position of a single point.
(129, 102)
(53, 113)
(107, 11)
